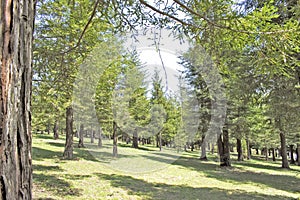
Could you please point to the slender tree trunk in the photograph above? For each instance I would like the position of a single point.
(285, 163)
(48, 129)
(68, 153)
(279, 153)
(115, 140)
(257, 152)
(100, 138)
(266, 153)
(17, 18)
(55, 131)
(292, 154)
(239, 149)
(212, 148)
(203, 149)
(273, 154)
(92, 136)
(81, 132)
(298, 154)
(135, 143)
(160, 141)
(248, 149)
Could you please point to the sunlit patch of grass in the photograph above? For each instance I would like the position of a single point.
(95, 174)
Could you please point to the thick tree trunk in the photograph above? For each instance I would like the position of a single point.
(298, 154)
(135, 143)
(239, 149)
(292, 154)
(55, 131)
(100, 138)
(248, 149)
(203, 149)
(224, 151)
(115, 140)
(68, 153)
(16, 29)
(81, 132)
(285, 163)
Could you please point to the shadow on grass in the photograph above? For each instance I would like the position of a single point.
(55, 185)
(46, 168)
(260, 166)
(281, 182)
(40, 154)
(56, 144)
(148, 190)
(139, 148)
(107, 157)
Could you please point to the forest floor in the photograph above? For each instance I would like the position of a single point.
(146, 173)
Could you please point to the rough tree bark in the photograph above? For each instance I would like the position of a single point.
(17, 19)
(239, 149)
(115, 140)
(81, 132)
(68, 153)
(55, 131)
(285, 163)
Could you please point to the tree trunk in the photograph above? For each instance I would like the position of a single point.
(292, 154)
(135, 143)
(160, 141)
(239, 149)
(81, 132)
(266, 153)
(273, 154)
(257, 152)
(100, 138)
(115, 140)
(212, 148)
(92, 136)
(68, 153)
(224, 150)
(55, 131)
(203, 149)
(248, 149)
(16, 29)
(298, 154)
(285, 163)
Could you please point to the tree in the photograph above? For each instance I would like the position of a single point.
(17, 21)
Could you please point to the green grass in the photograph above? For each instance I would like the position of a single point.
(147, 173)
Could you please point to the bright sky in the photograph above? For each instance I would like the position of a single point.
(150, 57)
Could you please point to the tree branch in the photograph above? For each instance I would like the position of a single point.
(85, 28)
(208, 21)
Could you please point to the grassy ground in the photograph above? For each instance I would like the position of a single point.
(150, 174)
